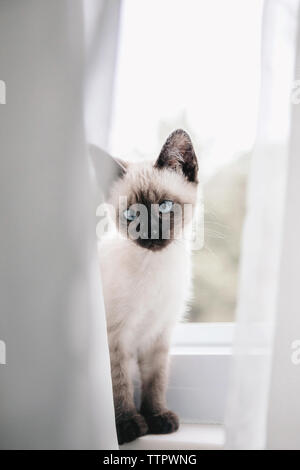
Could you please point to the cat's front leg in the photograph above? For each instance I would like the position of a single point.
(153, 365)
(129, 423)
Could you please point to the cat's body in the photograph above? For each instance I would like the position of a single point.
(158, 281)
(146, 285)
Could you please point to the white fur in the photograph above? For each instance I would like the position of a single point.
(145, 291)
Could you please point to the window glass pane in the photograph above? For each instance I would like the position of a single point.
(196, 65)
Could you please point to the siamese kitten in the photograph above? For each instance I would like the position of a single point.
(146, 280)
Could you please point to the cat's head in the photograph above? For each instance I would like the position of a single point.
(154, 201)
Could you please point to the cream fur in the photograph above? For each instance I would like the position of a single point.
(145, 294)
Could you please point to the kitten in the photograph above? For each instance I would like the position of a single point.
(146, 280)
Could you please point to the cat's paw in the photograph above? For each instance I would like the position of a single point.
(130, 428)
(162, 423)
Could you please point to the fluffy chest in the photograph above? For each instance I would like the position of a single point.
(161, 291)
(163, 279)
(144, 292)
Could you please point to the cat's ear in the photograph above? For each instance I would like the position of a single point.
(178, 154)
(106, 168)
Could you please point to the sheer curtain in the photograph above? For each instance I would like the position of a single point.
(55, 387)
(263, 406)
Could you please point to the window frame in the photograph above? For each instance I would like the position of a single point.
(201, 358)
(198, 335)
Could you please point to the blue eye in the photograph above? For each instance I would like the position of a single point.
(165, 207)
(129, 214)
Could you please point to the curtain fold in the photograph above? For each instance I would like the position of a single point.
(55, 389)
(255, 354)
(283, 423)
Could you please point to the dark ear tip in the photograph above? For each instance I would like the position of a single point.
(182, 133)
(178, 154)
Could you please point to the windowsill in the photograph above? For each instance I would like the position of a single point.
(201, 350)
(188, 436)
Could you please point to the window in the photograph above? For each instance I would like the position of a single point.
(173, 71)
(168, 77)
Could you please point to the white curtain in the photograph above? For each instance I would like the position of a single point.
(263, 409)
(55, 389)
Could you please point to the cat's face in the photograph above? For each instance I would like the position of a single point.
(154, 202)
